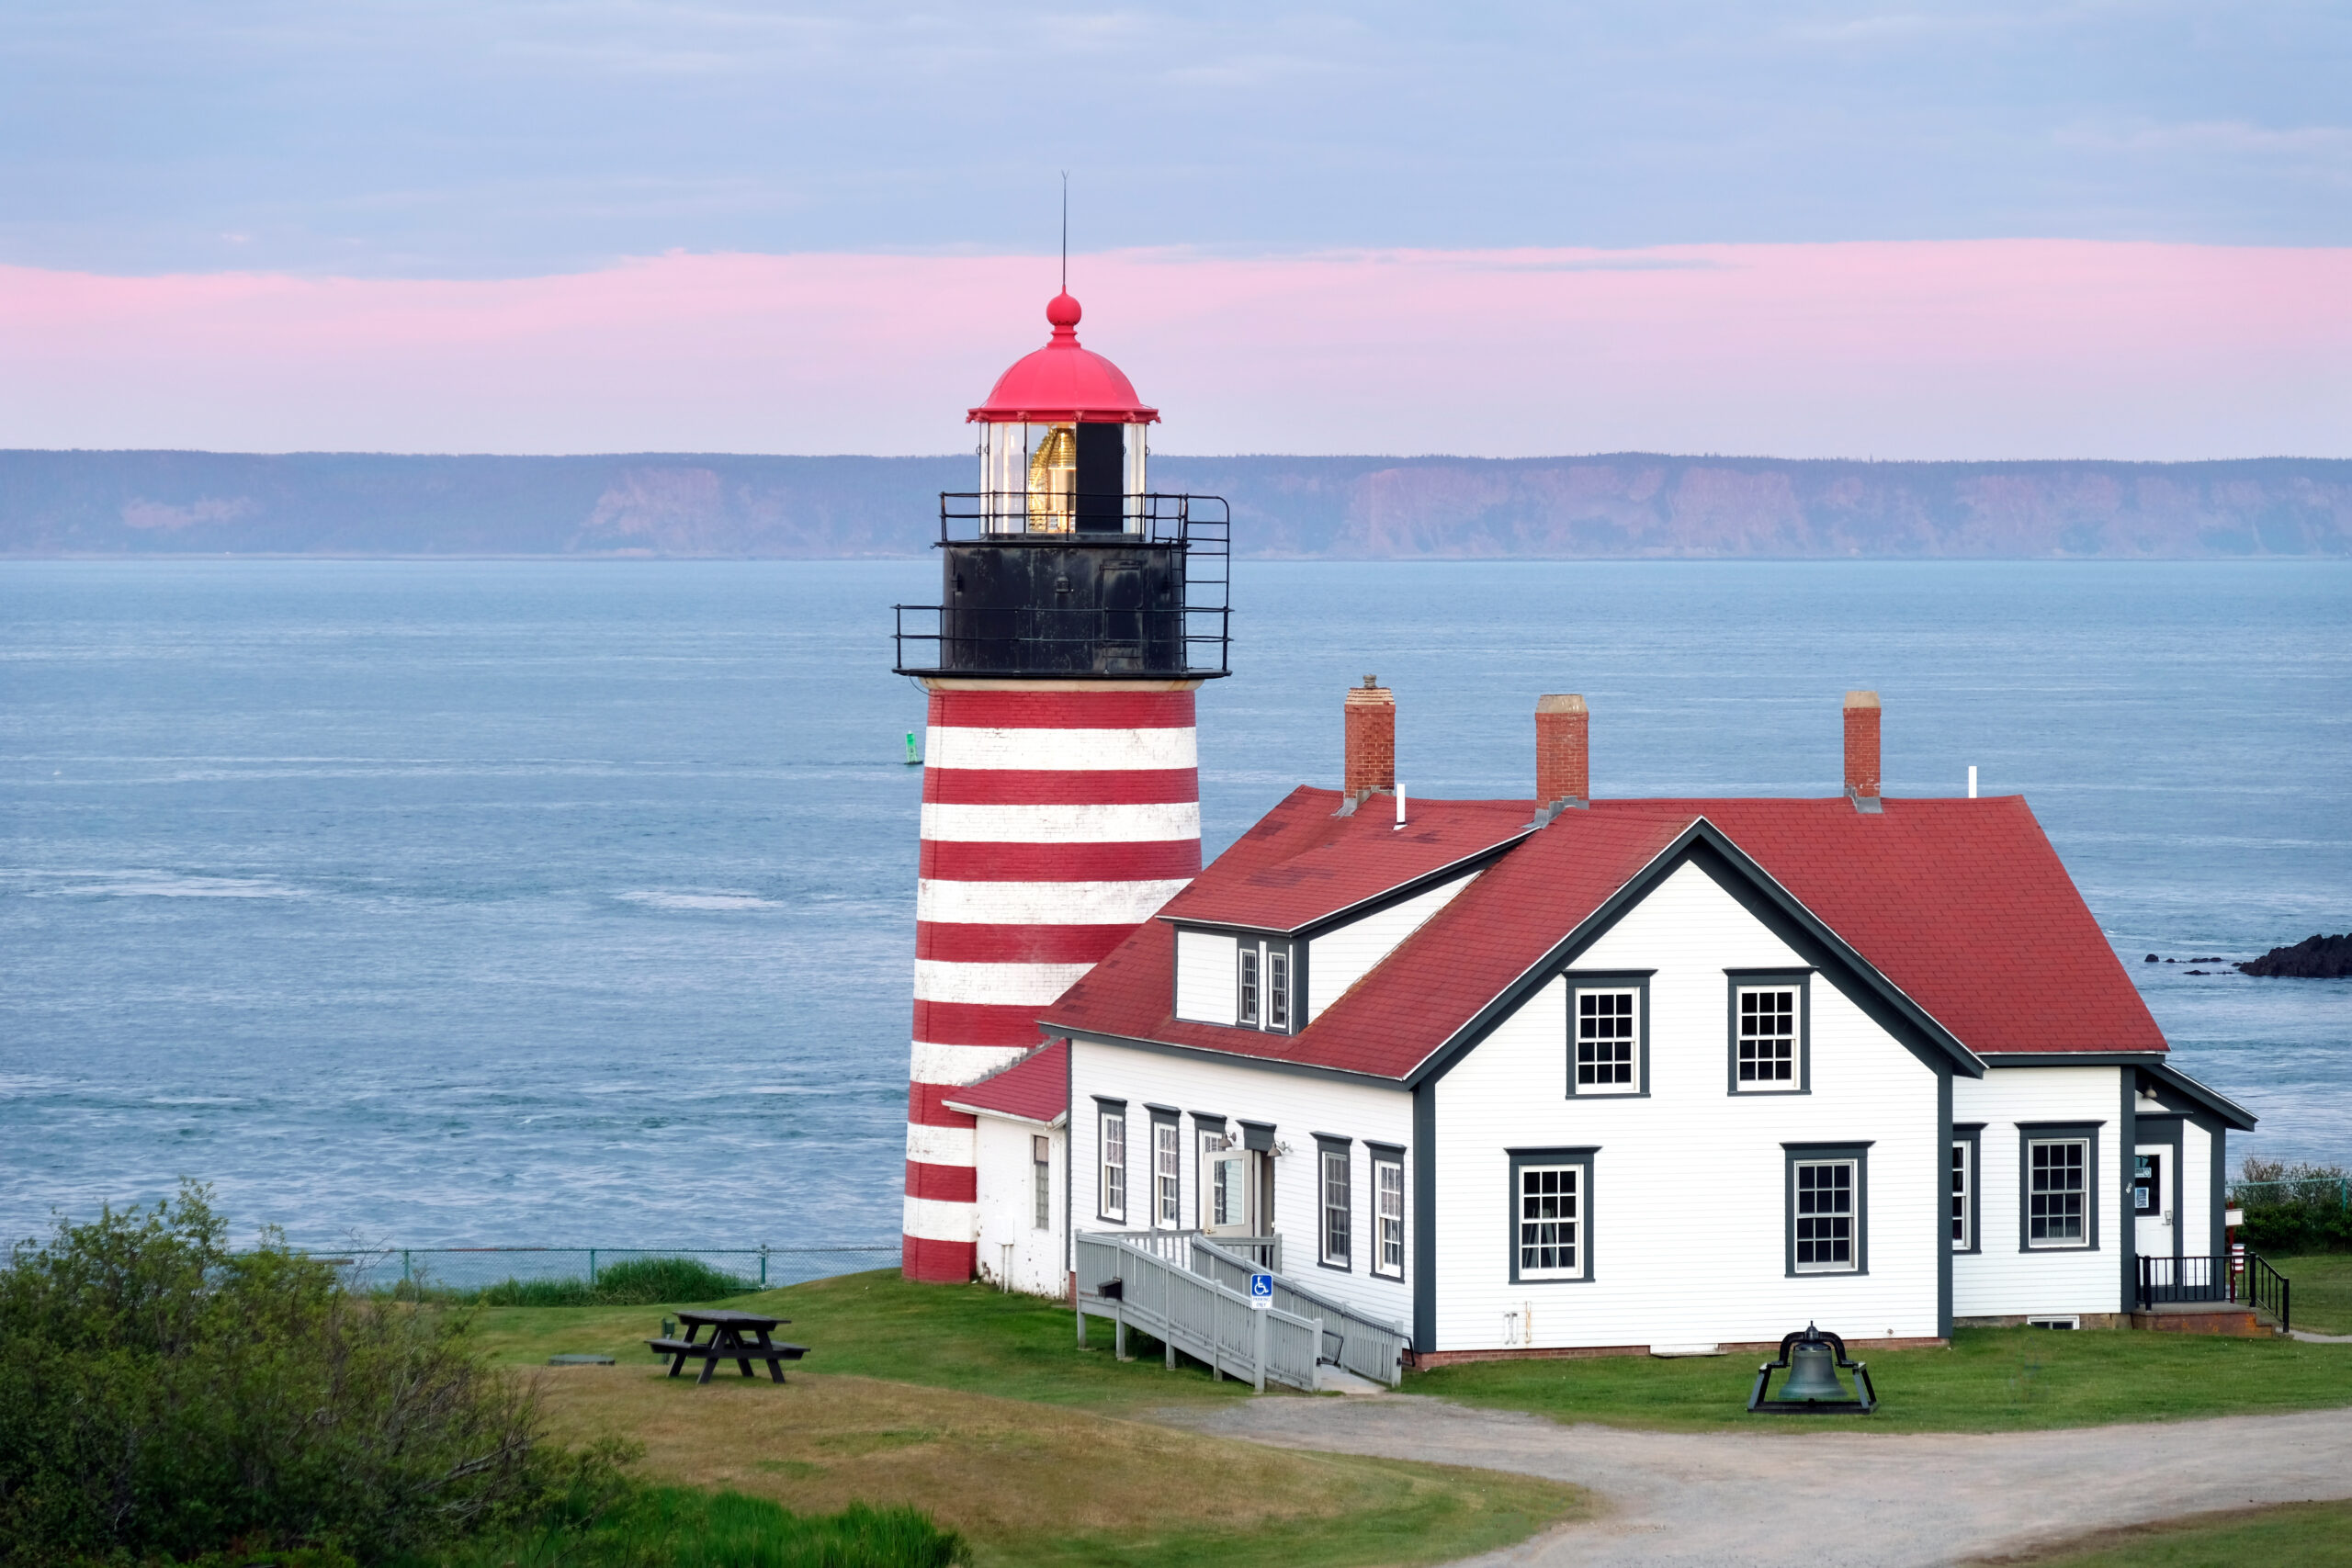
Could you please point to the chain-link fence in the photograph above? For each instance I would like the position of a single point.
(465, 1270)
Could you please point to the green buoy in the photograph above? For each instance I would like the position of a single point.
(913, 759)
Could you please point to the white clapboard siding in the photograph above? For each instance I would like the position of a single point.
(1296, 1105)
(1008, 1208)
(1207, 979)
(1340, 957)
(1688, 1206)
(2196, 1217)
(2003, 1279)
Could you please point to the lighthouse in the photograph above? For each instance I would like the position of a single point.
(1079, 612)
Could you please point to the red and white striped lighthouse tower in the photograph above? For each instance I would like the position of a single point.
(1079, 613)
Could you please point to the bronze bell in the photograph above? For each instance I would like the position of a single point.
(1813, 1373)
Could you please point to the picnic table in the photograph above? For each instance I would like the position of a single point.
(727, 1343)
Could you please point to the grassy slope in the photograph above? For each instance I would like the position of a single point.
(2321, 1299)
(931, 1396)
(2306, 1535)
(1991, 1379)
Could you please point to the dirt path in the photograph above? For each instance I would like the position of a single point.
(1828, 1499)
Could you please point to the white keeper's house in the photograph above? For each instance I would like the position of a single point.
(1560, 1074)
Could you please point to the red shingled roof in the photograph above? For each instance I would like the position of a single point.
(1035, 1088)
(1301, 862)
(1962, 905)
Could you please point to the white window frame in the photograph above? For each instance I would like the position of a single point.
(1960, 1195)
(1279, 970)
(1041, 1160)
(1249, 976)
(1111, 1152)
(1808, 1216)
(1580, 1042)
(1388, 1213)
(1167, 1174)
(2035, 1192)
(1568, 1174)
(1208, 1142)
(1742, 1071)
(1334, 1204)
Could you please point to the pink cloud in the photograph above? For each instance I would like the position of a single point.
(2013, 348)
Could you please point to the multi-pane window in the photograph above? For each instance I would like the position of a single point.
(1767, 1037)
(1607, 1044)
(1549, 1220)
(1825, 1216)
(1216, 1199)
(1167, 1176)
(1388, 1207)
(1277, 989)
(2057, 1200)
(1337, 1227)
(1964, 1183)
(1041, 1167)
(1246, 1008)
(1113, 1187)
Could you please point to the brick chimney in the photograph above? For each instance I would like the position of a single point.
(1372, 739)
(1563, 750)
(1861, 747)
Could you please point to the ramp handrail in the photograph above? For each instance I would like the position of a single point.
(1190, 1311)
(1369, 1347)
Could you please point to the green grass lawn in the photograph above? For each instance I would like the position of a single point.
(2320, 1301)
(972, 1338)
(1991, 1379)
(2304, 1535)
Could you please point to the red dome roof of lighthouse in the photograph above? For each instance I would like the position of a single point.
(1063, 383)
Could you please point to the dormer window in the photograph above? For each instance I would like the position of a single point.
(1278, 988)
(1246, 1009)
(1240, 982)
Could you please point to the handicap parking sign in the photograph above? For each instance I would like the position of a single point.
(1261, 1290)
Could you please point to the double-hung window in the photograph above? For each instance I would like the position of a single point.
(1112, 1144)
(1768, 1045)
(1278, 988)
(1167, 1173)
(2058, 1192)
(1828, 1208)
(1264, 985)
(1963, 1188)
(1550, 1199)
(1246, 1003)
(1041, 1169)
(1338, 1227)
(1605, 1034)
(1388, 1212)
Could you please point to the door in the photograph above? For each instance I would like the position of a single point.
(1229, 1206)
(2151, 1216)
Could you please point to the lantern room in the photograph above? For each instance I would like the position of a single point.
(1065, 563)
(1062, 440)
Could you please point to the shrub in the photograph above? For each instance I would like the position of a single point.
(2293, 1208)
(161, 1397)
(639, 1281)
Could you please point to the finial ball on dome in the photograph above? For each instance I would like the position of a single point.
(1062, 310)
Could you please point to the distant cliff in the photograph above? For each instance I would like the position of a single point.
(1624, 505)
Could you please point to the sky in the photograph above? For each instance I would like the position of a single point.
(2107, 230)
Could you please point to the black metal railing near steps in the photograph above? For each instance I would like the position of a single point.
(2247, 1279)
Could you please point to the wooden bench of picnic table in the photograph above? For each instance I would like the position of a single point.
(727, 1343)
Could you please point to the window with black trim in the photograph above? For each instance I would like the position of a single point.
(1829, 1207)
(1265, 985)
(1112, 1144)
(1551, 1209)
(1277, 989)
(1246, 1004)
(1608, 1031)
(1338, 1225)
(2058, 1192)
(1041, 1169)
(1167, 1173)
(1961, 1201)
(1388, 1212)
(1210, 1136)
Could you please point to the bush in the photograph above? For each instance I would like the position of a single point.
(2292, 1208)
(160, 1398)
(639, 1281)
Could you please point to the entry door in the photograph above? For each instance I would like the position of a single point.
(2151, 1216)
(1229, 1206)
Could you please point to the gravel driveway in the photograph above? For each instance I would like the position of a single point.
(1828, 1499)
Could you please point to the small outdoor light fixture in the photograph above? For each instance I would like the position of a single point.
(1812, 1357)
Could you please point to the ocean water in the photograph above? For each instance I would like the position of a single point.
(569, 903)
